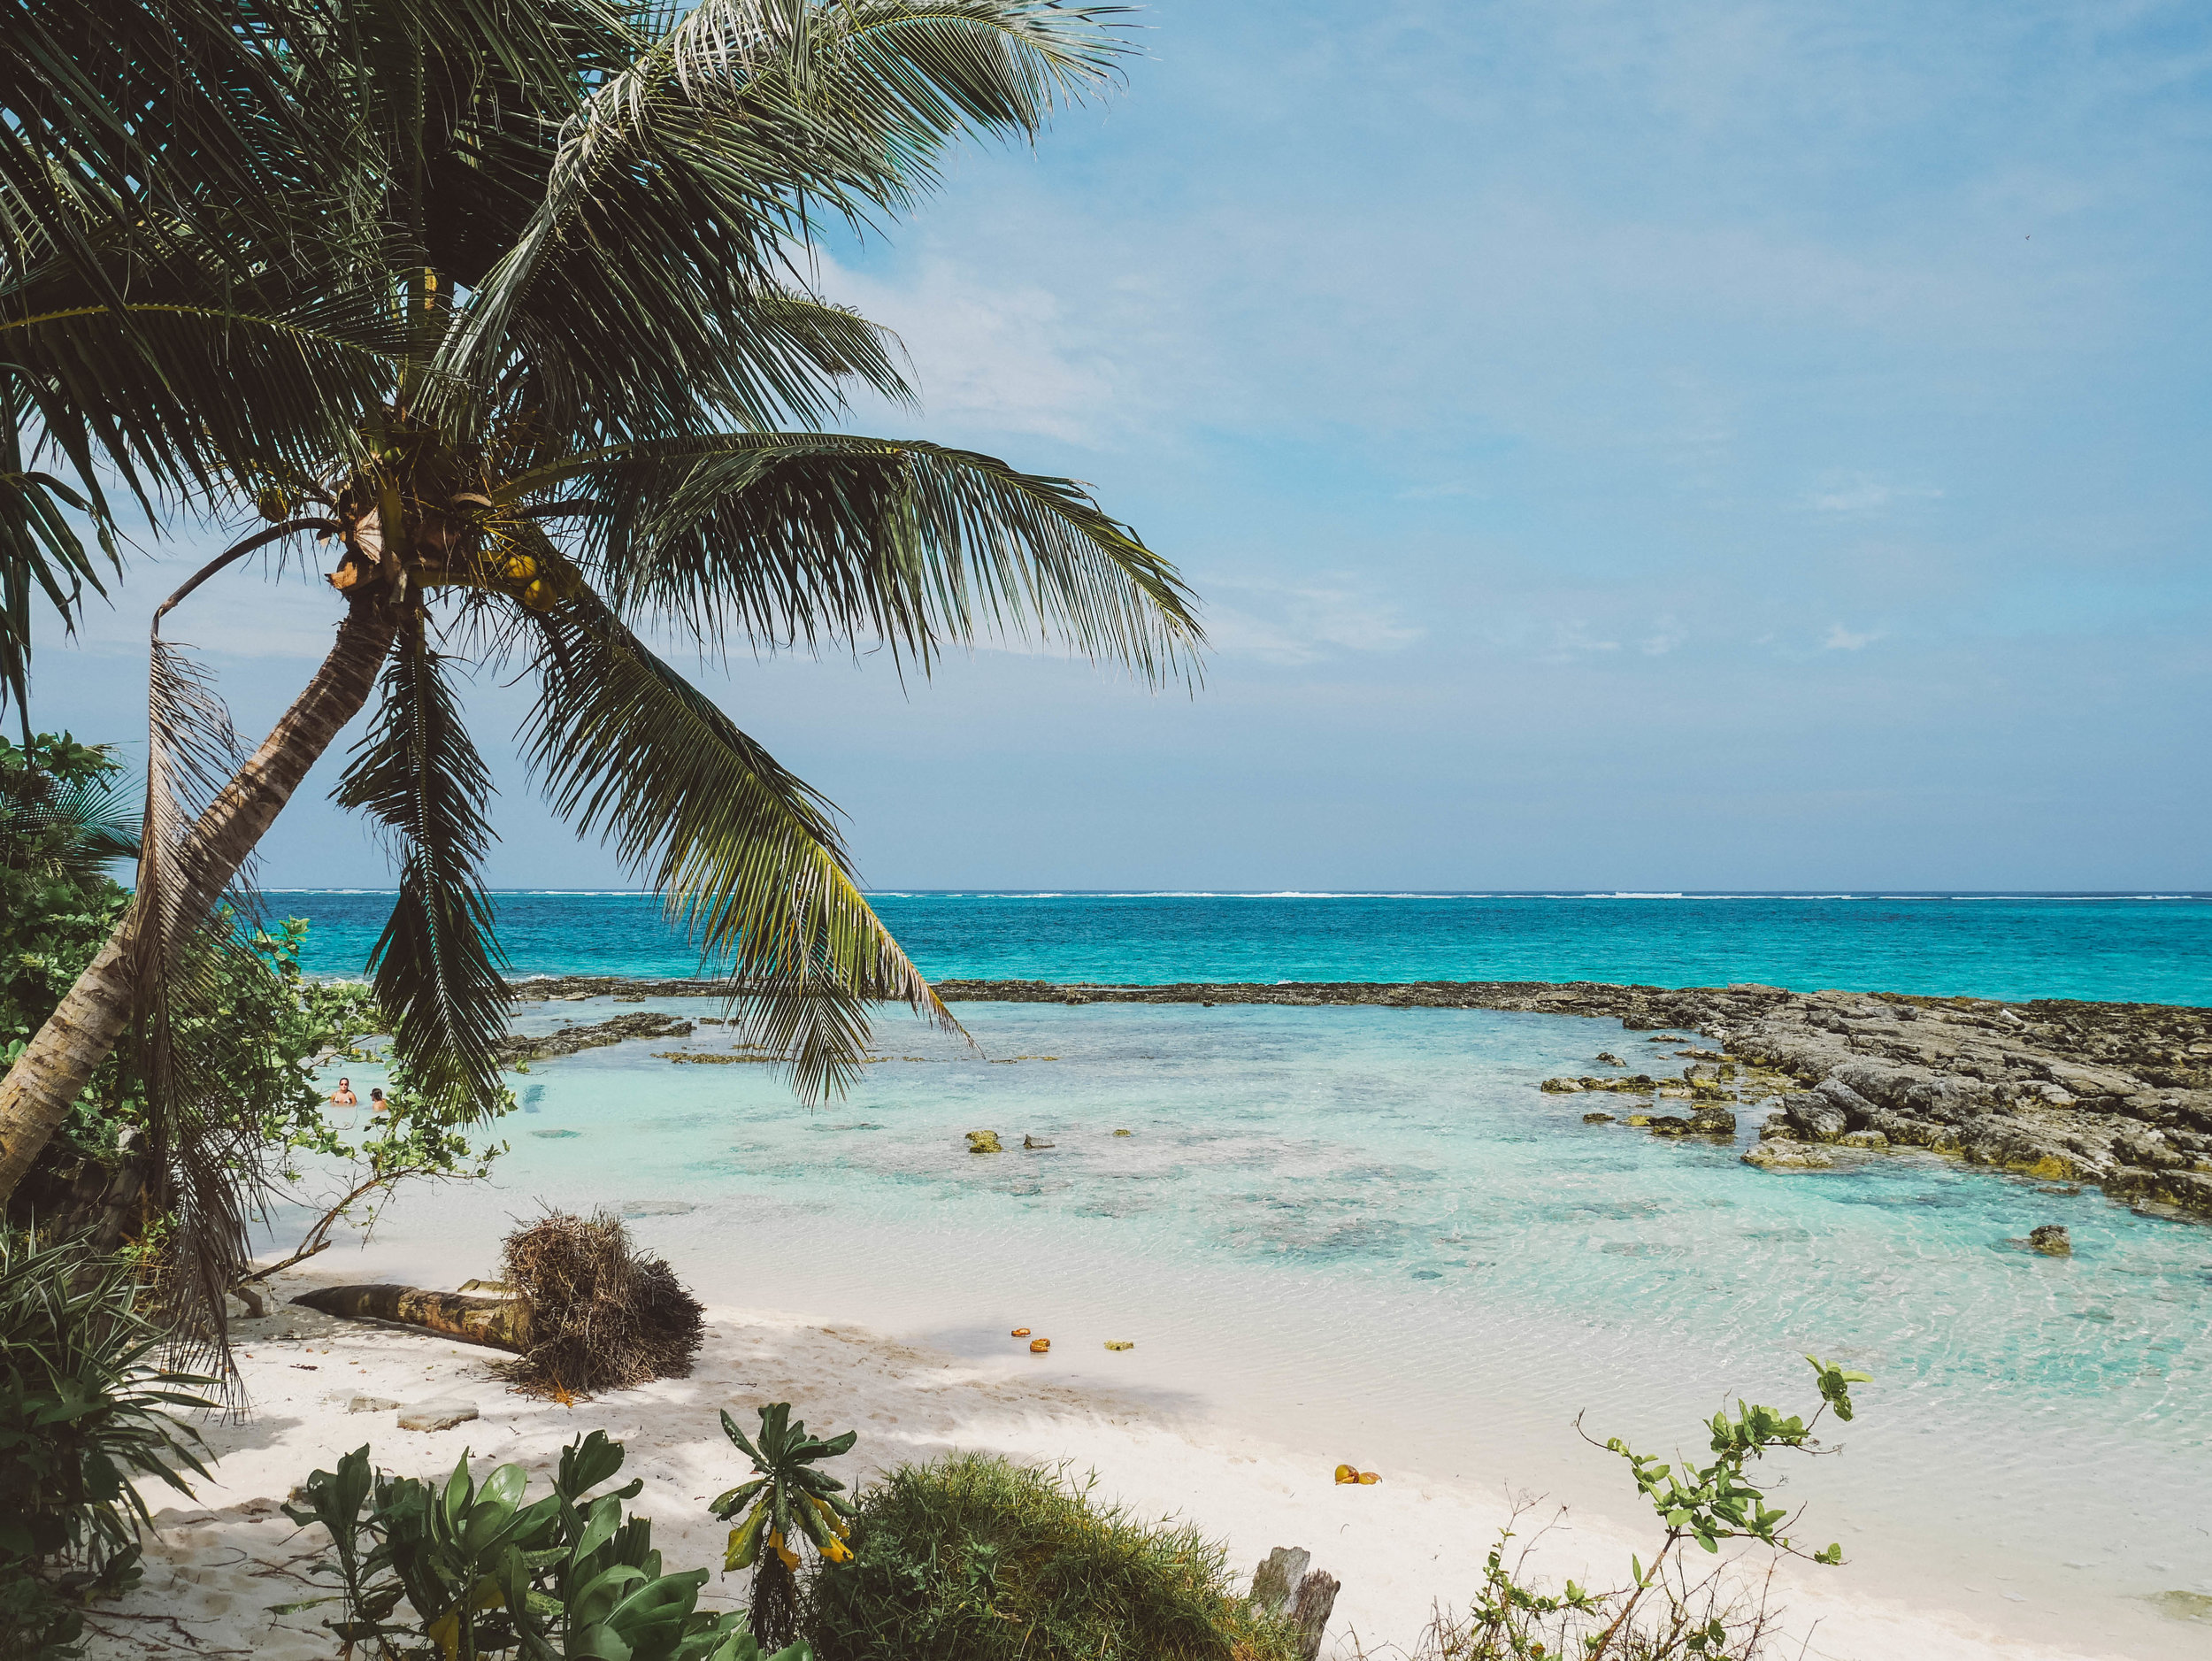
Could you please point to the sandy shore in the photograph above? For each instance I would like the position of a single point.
(1398, 1547)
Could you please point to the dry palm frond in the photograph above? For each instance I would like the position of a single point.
(604, 1315)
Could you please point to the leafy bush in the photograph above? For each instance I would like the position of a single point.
(1667, 1611)
(81, 1418)
(481, 1569)
(972, 1559)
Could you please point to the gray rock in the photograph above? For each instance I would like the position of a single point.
(1855, 1108)
(1610, 1059)
(370, 1404)
(2081, 1081)
(2050, 1238)
(1713, 1121)
(1813, 1117)
(1862, 1139)
(1786, 1156)
(1597, 1118)
(441, 1414)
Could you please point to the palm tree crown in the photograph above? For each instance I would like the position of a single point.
(506, 306)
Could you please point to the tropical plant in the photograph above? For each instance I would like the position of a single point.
(1666, 1610)
(159, 1169)
(83, 1420)
(146, 149)
(553, 371)
(787, 1502)
(481, 1568)
(974, 1558)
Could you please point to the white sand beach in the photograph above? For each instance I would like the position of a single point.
(1399, 1547)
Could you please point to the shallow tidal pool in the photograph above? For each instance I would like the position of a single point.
(1370, 1229)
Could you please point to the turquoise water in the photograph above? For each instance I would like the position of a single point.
(1372, 1225)
(2150, 949)
(1371, 1228)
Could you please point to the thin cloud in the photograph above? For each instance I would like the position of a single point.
(1841, 638)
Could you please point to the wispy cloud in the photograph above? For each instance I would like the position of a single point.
(1867, 496)
(1289, 624)
(1841, 638)
(1008, 356)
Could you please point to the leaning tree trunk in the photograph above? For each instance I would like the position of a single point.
(49, 1075)
(498, 1323)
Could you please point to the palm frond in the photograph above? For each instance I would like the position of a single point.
(207, 1156)
(808, 537)
(192, 397)
(138, 118)
(437, 964)
(668, 212)
(40, 549)
(746, 854)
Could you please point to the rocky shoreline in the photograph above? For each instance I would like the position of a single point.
(2114, 1095)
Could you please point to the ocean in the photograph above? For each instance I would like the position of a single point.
(1370, 1225)
(2147, 948)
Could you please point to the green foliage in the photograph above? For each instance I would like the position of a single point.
(462, 1569)
(1663, 1612)
(786, 1500)
(81, 1421)
(533, 345)
(59, 824)
(972, 1559)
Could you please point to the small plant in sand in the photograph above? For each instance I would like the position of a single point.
(84, 1415)
(787, 1502)
(1667, 1612)
(483, 1570)
(604, 1315)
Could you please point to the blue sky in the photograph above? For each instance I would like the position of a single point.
(1718, 445)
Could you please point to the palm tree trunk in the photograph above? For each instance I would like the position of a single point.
(49, 1075)
(498, 1323)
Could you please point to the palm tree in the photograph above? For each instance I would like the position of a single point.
(532, 355)
(143, 145)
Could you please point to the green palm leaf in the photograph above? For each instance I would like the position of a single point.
(437, 964)
(666, 214)
(747, 855)
(807, 537)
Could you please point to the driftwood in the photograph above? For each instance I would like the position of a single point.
(1317, 1600)
(498, 1323)
(1308, 1608)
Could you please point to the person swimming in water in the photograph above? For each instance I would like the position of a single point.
(343, 1095)
(377, 1104)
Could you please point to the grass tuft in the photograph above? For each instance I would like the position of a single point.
(972, 1559)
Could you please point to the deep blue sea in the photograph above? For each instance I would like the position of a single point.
(2124, 948)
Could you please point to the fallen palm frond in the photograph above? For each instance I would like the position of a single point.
(587, 1310)
(604, 1315)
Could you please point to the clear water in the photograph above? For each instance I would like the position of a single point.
(1370, 1225)
(2149, 948)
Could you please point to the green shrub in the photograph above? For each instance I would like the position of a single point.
(462, 1569)
(975, 1559)
(81, 1418)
